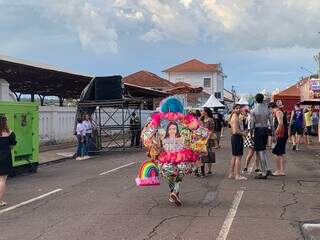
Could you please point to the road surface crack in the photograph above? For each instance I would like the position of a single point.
(284, 207)
(178, 237)
(156, 204)
(155, 228)
(283, 186)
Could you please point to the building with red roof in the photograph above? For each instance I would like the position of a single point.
(196, 73)
(290, 96)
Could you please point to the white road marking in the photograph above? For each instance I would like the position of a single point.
(30, 201)
(309, 226)
(232, 212)
(117, 168)
(230, 216)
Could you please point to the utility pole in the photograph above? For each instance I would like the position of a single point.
(233, 94)
(317, 59)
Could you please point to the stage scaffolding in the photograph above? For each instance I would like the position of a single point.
(111, 121)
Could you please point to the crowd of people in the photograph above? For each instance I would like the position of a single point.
(265, 126)
(268, 126)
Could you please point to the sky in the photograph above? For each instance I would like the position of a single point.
(260, 44)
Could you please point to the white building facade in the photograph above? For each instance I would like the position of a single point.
(198, 74)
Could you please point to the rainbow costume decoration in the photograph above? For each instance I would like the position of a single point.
(148, 174)
(175, 141)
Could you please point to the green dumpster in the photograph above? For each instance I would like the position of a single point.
(23, 119)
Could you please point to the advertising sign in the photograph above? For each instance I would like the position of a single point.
(314, 88)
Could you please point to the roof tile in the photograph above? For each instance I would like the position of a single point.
(194, 65)
(147, 79)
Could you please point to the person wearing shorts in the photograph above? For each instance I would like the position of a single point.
(281, 137)
(296, 126)
(308, 121)
(236, 145)
(261, 120)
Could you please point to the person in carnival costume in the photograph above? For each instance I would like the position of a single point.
(175, 141)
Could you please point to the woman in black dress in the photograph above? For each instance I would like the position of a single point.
(7, 141)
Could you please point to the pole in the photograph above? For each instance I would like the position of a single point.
(318, 65)
(233, 94)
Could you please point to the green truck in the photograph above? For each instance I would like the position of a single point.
(23, 119)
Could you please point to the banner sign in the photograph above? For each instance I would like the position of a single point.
(315, 85)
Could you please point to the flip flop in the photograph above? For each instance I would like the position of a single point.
(241, 178)
(278, 175)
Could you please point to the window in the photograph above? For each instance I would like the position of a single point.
(206, 82)
(217, 94)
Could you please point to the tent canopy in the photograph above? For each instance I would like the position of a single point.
(243, 101)
(213, 103)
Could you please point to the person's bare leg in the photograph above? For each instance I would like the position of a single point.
(293, 139)
(231, 167)
(278, 165)
(249, 157)
(3, 180)
(237, 167)
(298, 141)
(283, 165)
(308, 140)
(222, 132)
(209, 167)
(215, 144)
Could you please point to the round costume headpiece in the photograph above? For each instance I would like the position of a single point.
(171, 104)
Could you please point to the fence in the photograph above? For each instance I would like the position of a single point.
(56, 124)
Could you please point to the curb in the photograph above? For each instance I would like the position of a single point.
(63, 159)
(55, 161)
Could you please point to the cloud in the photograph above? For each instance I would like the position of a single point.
(88, 21)
(186, 3)
(99, 25)
(153, 35)
(131, 15)
(254, 24)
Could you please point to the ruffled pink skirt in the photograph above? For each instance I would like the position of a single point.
(182, 156)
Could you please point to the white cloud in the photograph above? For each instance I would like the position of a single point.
(186, 3)
(154, 35)
(244, 24)
(90, 23)
(131, 15)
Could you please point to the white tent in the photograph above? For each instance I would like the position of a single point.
(243, 101)
(213, 103)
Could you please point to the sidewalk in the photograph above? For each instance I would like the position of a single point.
(58, 152)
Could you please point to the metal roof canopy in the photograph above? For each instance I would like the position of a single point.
(28, 78)
(45, 80)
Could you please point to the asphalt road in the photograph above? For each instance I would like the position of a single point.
(87, 205)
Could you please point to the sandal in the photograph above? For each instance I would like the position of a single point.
(176, 199)
(3, 204)
(240, 178)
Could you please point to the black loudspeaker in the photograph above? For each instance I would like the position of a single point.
(108, 88)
